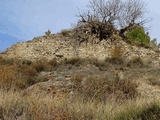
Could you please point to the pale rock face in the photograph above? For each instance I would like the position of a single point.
(60, 47)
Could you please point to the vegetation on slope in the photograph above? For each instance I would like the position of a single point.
(105, 90)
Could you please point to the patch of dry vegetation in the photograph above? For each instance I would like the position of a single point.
(14, 105)
(102, 89)
(92, 97)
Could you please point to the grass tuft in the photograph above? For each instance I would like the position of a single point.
(145, 112)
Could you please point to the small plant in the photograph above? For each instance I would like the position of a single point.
(48, 33)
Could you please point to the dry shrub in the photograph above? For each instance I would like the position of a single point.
(136, 62)
(40, 65)
(116, 56)
(29, 75)
(102, 65)
(22, 73)
(77, 80)
(65, 32)
(53, 62)
(116, 52)
(115, 60)
(97, 88)
(7, 75)
(10, 77)
(74, 61)
(7, 61)
(26, 62)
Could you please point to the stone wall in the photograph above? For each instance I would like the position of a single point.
(59, 46)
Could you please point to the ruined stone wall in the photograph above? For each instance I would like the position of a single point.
(60, 47)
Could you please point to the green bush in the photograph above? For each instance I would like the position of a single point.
(138, 36)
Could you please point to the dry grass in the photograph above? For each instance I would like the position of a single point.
(94, 98)
(20, 73)
(102, 89)
(116, 56)
(16, 106)
(154, 81)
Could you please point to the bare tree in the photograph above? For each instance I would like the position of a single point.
(132, 15)
(103, 17)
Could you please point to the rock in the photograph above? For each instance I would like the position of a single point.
(120, 75)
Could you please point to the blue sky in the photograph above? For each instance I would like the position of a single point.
(22, 20)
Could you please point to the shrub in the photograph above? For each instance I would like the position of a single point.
(138, 36)
(73, 61)
(48, 33)
(10, 77)
(7, 75)
(116, 52)
(65, 32)
(40, 65)
(26, 62)
(100, 64)
(77, 80)
(53, 63)
(97, 88)
(136, 62)
(115, 60)
(116, 56)
(7, 61)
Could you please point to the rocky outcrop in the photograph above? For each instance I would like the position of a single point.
(61, 47)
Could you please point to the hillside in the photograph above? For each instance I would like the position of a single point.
(65, 45)
(54, 77)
